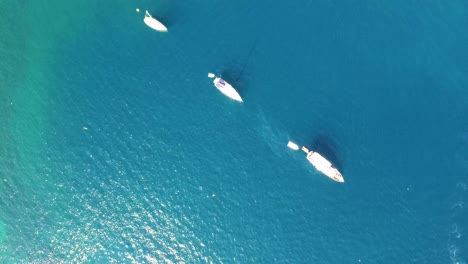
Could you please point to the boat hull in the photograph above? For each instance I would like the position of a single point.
(323, 165)
(154, 24)
(227, 89)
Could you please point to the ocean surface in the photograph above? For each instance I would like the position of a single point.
(116, 148)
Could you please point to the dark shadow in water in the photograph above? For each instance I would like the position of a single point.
(326, 146)
(167, 14)
(237, 73)
(167, 19)
(238, 79)
(230, 75)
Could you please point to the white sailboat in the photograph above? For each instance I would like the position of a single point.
(225, 88)
(153, 23)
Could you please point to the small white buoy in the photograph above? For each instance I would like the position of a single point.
(211, 75)
(138, 10)
(213, 195)
(85, 128)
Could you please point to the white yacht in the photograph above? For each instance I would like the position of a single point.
(153, 23)
(225, 88)
(320, 163)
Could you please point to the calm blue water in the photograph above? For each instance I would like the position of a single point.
(171, 171)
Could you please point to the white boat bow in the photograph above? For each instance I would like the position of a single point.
(153, 23)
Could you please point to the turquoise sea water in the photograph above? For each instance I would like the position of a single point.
(171, 171)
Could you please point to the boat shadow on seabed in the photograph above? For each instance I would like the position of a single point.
(325, 145)
(240, 83)
(236, 73)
